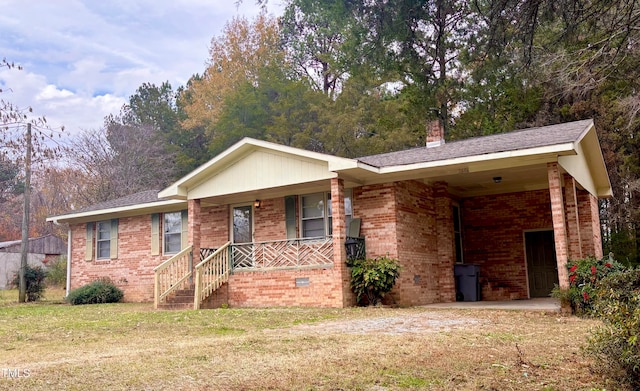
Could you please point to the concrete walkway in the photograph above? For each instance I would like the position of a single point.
(539, 304)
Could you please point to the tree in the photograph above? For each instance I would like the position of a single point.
(236, 57)
(420, 43)
(24, 148)
(163, 109)
(315, 34)
(121, 160)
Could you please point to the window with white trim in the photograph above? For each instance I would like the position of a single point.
(317, 215)
(172, 239)
(103, 239)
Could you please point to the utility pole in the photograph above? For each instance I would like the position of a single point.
(24, 248)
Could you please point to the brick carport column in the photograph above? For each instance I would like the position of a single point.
(572, 217)
(339, 228)
(195, 222)
(559, 223)
(590, 224)
(445, 242)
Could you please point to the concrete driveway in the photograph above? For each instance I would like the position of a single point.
(547, 304)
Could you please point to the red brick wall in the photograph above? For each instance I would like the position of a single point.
(559, 222)
(589, 224)
(132, 271)
(269, 220)
(417, 244)
(493, 235)
(375, 205)
(572, 218)
(215, 226)
(401, 220)
(278, 288)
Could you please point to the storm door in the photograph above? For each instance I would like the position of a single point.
(242, 224)
(243, 251)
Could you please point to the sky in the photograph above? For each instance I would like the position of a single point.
(82, 59)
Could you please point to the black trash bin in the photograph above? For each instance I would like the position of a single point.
(467, 282)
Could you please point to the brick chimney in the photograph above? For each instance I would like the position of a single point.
(435, 134)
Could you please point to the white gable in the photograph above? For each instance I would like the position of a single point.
(261, 169)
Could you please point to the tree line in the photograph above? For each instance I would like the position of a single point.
(356, 77)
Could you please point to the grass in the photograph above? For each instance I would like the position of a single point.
(132, 347)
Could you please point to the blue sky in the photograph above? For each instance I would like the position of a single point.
(82, 59)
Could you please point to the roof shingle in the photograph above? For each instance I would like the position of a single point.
(512, 141)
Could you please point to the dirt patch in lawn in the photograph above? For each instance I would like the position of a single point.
(425, 322)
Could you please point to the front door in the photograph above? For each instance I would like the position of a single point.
(541, 263)
(242, 224)
(242, 236)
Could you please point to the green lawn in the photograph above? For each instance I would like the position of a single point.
(54, 346)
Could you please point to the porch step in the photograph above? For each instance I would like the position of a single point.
(179, 300)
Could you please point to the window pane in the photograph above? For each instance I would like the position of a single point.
(313, 205)
(103, 249)
(172, 232)
(312, 228)
(103, 239)
(348, 210)
(172, 222)
(172, 243)
(456, 219)
(104, 230)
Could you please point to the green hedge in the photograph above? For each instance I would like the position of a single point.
(616, 345)
(99, 291)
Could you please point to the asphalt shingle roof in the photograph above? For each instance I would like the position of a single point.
(512, 141)
(143, 197)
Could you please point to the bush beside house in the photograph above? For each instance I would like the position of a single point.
(372, 279)
(34, 277)
(96, 292)
(605, 289)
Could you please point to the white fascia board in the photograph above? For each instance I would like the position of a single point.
(566, 148)
(179, 189)
(116, 211)
(590, 172)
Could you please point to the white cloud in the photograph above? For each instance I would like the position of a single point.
(82, 59)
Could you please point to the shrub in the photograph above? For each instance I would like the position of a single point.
(616, 345)
(57, 271)
(373, 278)
(34, 277)
(99, 291)
(584, 277)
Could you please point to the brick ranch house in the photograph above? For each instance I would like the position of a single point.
(263, 224)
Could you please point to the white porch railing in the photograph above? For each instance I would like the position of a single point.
(291, 253)
(211, 273)
(172, 274)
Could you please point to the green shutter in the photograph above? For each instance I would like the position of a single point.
(88, 254)
(290, 216)
(185, 230)
(155, 234)
(113, 243)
